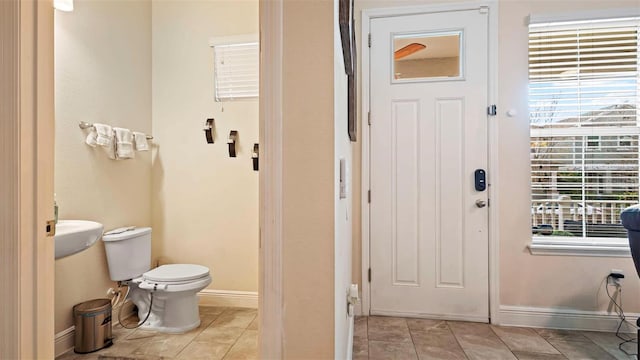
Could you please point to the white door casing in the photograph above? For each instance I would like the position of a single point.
(429, 248)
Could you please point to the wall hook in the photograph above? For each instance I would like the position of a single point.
(233, 138)
(255, 156)
(208, 130)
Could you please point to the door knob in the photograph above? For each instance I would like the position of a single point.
(481, 203)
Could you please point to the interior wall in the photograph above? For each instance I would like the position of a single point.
(308, 180)
(430, 67)
(342, 207)
(570, 282)
(102, 75)
(204, 203)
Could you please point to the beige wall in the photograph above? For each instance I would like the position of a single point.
(525, 280)
(431, 67)
(102, 74)
(205, 203)
(308, 180)
(571, 282)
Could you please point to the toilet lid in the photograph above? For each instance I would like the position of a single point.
(176, 272)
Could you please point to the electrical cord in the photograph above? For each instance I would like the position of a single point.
(623, 318)
(125, 301)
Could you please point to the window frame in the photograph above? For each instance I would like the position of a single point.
(584, 246)
(230, 42)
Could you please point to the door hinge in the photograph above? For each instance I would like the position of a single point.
(369, 117)
(492, 110)
(369, 40)
(369, 196)
(51, 228)
(369, 275)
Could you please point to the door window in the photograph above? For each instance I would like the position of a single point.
(431, 56)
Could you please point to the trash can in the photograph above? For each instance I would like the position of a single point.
(93, 325)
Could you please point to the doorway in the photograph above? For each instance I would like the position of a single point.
(427, 161)
(149, 67)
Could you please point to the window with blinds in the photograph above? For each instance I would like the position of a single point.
(236, 71)
(584, 91)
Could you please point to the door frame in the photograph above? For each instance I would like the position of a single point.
(492, 171)
(270, 288)
(29, 137)
(34, 156)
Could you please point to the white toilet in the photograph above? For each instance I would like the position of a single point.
(173, 287)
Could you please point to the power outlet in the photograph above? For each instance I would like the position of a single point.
(617, 281)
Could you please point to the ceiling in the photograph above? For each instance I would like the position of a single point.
(437, 46)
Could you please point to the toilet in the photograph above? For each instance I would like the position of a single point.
(172, 287)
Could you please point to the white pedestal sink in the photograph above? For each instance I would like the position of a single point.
(73, 236)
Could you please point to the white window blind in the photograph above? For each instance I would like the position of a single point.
(236, 71)
(584, 92)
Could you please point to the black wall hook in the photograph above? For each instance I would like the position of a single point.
(208, 130)
(233, 138)
(255, 157)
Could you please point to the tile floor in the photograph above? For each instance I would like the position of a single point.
(231, 333)
(224, 333)
(398, 338)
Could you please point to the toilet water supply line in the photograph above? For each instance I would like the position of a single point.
(124, 300)
(115, 295)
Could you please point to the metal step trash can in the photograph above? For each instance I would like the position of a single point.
(93, 325)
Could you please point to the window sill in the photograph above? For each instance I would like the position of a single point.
(608, 247)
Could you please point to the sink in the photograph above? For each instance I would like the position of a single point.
(73, 236)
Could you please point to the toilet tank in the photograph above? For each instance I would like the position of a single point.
(128, 253)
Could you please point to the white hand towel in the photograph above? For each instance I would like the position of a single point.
(110, 150)
(124, 143)
(141, 141)
(92, 137)
(105, 134)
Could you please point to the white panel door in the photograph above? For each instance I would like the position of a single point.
(429, 224)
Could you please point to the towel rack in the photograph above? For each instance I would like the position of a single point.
(86, 125)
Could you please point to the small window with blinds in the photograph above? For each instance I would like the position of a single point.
(236, 71)
(583, 112)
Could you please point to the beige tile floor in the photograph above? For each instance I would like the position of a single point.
(398, 338)
(224, 333)
(231, 333)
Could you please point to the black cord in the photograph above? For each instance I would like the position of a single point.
(623, 318)
(141, 322)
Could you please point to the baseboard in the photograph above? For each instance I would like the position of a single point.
(65, 339)
(246, 299)
(567, 319)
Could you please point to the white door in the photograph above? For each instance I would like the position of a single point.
(428, 223)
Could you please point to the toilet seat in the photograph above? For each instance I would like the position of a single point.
(176, 274)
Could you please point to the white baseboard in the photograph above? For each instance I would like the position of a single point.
(65, 339)
(246, 299)
(568, 319)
